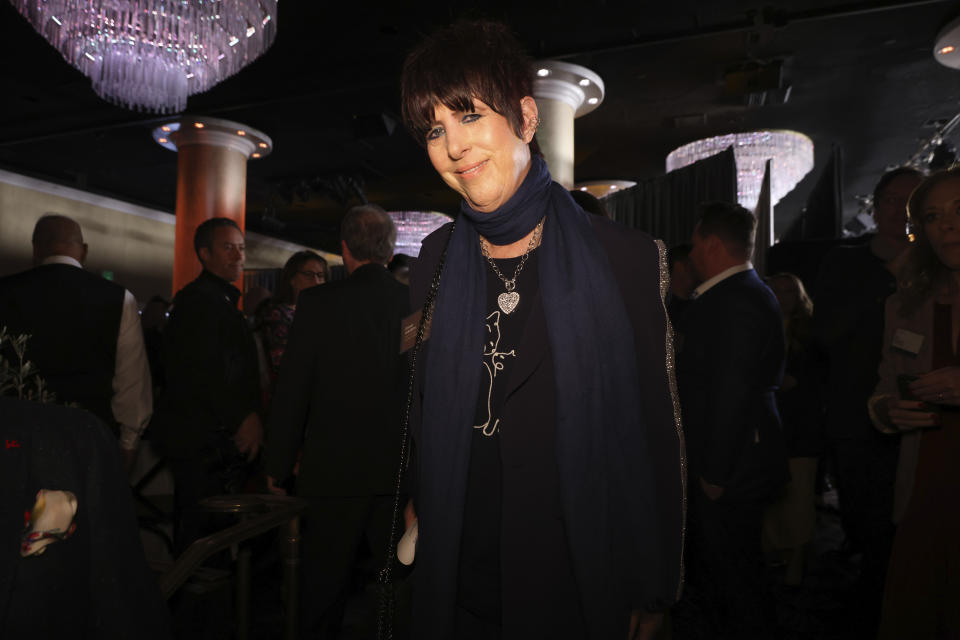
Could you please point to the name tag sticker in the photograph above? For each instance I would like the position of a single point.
(908, 341)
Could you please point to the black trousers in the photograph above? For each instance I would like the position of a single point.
(866, 469)
(334, 532)
(725, 594)
(218, 468)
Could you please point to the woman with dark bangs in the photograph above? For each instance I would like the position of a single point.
(549, 456)
(918, 396)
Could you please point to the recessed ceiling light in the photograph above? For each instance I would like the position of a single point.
(263, 145)
(583, 188)
(543, 73)
(162, 140)
(241, 132)
(198, 125)
(165, 128)
(947, 49)
(593, 100)
(256, 155)
(585, 82)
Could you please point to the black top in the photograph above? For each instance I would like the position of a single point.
(210, 356)
(851, 291)
(729, 365)
(479, 577)
(540, 595)
(341, 388)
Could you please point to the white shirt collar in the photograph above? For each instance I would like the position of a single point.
(720, 277)
(62, 260)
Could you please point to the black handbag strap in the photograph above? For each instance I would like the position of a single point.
(386, 605)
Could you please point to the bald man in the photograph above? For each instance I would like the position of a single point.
(86, 341)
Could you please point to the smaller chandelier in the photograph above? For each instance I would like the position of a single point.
(413, 227)
(791, 154)
(149, 55)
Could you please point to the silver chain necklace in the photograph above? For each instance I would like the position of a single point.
(508, 301)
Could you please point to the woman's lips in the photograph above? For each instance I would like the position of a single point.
(472, 170)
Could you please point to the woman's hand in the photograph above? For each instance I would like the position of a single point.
(941, 386)
(907, 415)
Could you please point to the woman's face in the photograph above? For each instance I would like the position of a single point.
(478, 153)
(941, 221)
(311, 273)
(786, 291)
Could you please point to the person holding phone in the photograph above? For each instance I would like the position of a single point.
(919, 396)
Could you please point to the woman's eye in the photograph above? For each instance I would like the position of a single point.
(470, 117)
(434, 133)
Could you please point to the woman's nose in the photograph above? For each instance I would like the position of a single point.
(457, 142)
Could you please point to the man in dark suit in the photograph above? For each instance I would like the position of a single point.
(730, 363)
(208, 423)
(339, 396)
(86, 341)
(852, 288)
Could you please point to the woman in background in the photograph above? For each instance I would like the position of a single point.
(788, 524)
(274, 316)
(918, 396)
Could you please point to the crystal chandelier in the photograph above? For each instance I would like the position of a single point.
(413, 227)
(149, 55)
(791, 154)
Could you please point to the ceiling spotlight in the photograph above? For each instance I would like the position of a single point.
(543, 73)
(263, 145)
(585, 82)
(593, 100)
(165, 128)
(162, 140)
(241, 132)
(255, 155)
(198, 125)
(947, 49)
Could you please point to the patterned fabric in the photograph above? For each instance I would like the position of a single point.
(273, 323)
(50, 520)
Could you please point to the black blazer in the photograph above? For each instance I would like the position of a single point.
(729, 365)
(210, 356)
(538, 591)
(852, 289)
(94, 584)
(340, 388)
(73, 317)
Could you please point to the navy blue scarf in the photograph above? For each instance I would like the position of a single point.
(603, 478)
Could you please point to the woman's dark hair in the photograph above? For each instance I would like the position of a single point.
(923, 271)
(461, 62)
(799, 326)
(285, 291)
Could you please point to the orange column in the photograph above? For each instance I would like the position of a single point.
(211, 180)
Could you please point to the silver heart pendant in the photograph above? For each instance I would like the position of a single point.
(508, 301)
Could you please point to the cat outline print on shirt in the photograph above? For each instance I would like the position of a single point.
(493, 363)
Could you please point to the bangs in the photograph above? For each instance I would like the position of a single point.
(460, 64)
(457, 93)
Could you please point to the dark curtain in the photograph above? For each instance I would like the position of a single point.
(823, 215)
(764, 213)
(667, 207)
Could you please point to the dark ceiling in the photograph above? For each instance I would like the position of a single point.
(862, 77)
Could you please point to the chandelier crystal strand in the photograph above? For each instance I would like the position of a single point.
(790, 151)
(149, 55)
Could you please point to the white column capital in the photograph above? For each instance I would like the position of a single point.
(569, 83)
(202, 130)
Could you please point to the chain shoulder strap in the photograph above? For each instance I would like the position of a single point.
(385, 610)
